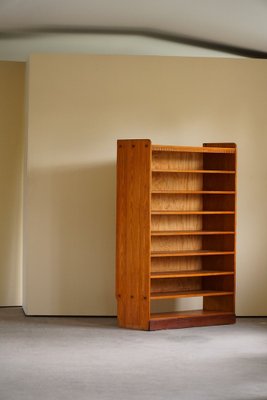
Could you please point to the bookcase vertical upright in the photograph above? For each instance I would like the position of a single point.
(176, 233)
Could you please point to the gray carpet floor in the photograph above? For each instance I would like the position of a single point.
(90, 358)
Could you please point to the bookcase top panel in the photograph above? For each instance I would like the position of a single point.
(188, 149)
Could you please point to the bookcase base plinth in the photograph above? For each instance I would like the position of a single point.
(190, 322)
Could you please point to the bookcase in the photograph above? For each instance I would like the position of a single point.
(176, 233)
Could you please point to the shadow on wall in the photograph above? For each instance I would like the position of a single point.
(70, 241)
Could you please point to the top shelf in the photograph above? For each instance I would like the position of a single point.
(187, 149)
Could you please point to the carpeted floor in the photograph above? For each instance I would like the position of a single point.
(92, 359)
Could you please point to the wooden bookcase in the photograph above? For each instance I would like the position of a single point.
(176, 219)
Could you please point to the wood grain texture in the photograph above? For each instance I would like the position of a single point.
(218, 242)
(183, 202)
(176, 160)
(213, 202)
(176, 243)
(159, 264)
(178, 182)
(178, 212)
(187, 253)
(221, 145)
(224, 283)
(189, 293)
(203, 319)
(191, 192)
(133, 232)
(176, 225)
(222, 263)
(208, 148)
(219, 303)
(187, 273)
(191, 233)
(171, 285)
(226, 182)
(186, 314)
(191, 171)
(224, 221)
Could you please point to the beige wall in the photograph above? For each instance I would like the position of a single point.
(78, 106)
(11, 139)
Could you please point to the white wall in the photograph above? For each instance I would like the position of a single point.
(79, 106)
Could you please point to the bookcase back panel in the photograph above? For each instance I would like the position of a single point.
(218, 181)
(176, 285)
(179, 161)
(193, 242)
(219, 222)
(219, 161)
(176, 264)
(216, 303)
(176, 243)
(207, 283)
(210, 263)
(172, 305)
(218, 242)
(224, 283)
(181, 202)
(176, 181)
(176, 222)
(218, 263)
(219, 202)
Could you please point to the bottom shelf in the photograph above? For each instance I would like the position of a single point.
(192, 318)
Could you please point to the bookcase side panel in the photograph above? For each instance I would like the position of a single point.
(133, 233)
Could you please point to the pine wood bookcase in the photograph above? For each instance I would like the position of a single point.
(176, 232)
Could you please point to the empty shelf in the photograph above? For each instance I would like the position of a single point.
(189, 293)
(185, 253)
(200, 212)
(192, 171)
(189, 233)
(187, 274)
(193, 192)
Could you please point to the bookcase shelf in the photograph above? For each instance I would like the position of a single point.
(189, 253)
(189, 233)
(197, 212)
(191, 293)
(176, 236)
(192, 192)
(192, 171)
(190, 273)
